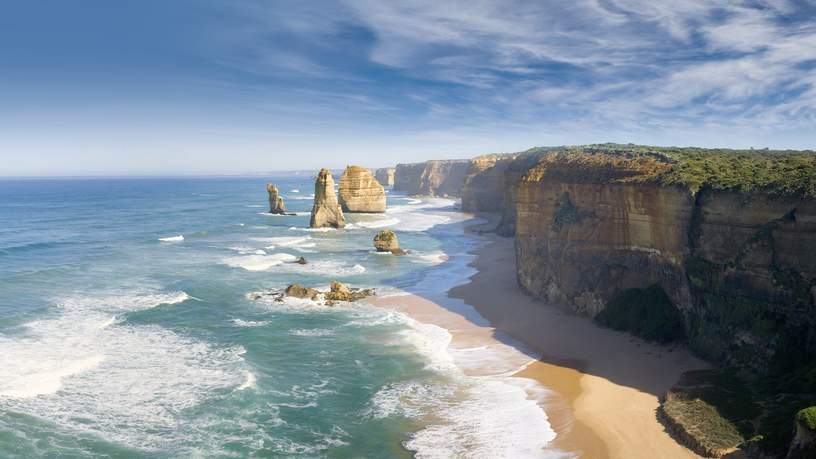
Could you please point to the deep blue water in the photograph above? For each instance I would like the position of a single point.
(127, 327)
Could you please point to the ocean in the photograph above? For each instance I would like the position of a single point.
(128, 328)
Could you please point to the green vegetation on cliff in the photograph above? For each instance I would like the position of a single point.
(647, 313)
(779, 172)
(807, 417)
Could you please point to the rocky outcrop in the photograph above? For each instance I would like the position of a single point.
(385, 176)
(337, 292)
(340, 292)
(360, 192)
(432, 178)
(386, 241)
(276, 205)
(326, 211)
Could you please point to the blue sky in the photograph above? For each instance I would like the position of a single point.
(211, 87)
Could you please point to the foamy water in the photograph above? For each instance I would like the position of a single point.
(129, 332)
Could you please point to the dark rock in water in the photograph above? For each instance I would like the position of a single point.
(276, 205)
(301, 261)
(299, 291)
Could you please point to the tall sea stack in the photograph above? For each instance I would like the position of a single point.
(360, 191)
(326, 211)
(276, 205)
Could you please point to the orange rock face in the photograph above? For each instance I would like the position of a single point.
(360, 191)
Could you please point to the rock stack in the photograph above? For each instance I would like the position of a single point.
(385, 176)
(360, 191)
(386, 241)
(326, 211)
(276, 205)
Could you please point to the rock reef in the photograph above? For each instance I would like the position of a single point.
(276, 205)
(326, 211)
(386, 241)
(360, 192)
(385, 176)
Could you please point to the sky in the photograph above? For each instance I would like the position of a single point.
(102, 87)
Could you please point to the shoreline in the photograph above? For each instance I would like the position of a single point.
(603, 385)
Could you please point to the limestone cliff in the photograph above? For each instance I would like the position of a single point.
(276, 205)
(484, 185)
(360, 192)
(326, 211)
(385, 176)
(432, 178)
(739, 264)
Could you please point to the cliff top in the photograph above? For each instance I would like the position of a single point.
(781, 172)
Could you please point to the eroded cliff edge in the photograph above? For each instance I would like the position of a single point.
(432, 178)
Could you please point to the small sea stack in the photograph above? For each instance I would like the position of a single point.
(385, 175)
(326, 212)
(276, 205)
(386, 241)
(360, 191)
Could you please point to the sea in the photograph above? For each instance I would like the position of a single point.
(129, 328)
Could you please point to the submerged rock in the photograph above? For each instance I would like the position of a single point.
(276, 205)
(385, 176)
(301, 261)
(386, 241)
(360, 191)
(326, 211)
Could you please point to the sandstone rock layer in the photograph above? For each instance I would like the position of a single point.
(360, 192)
(326, 211)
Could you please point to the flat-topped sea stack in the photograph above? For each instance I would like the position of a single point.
(326, 212)
(360, 191)
(385, 176)
(276, 205)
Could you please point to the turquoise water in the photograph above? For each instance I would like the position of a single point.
(127, 328)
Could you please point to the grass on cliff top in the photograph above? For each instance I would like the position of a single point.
(780, 172)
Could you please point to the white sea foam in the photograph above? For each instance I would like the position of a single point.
(284, 241)
(295, 190)
(326, 268)
(259, 262)
(312, 332)
(249, 381)
(124, 383)
(249, 323)
(374, 223)
(312, 230)
(433, 258)
(178, 238)
(479, 416)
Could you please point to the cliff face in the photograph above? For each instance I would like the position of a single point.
(385, 176)
(360, 192)
(484, 184)
(740, 266)
(432, 178)
(326, 211)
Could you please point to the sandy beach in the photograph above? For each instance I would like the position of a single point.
(605, 384)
